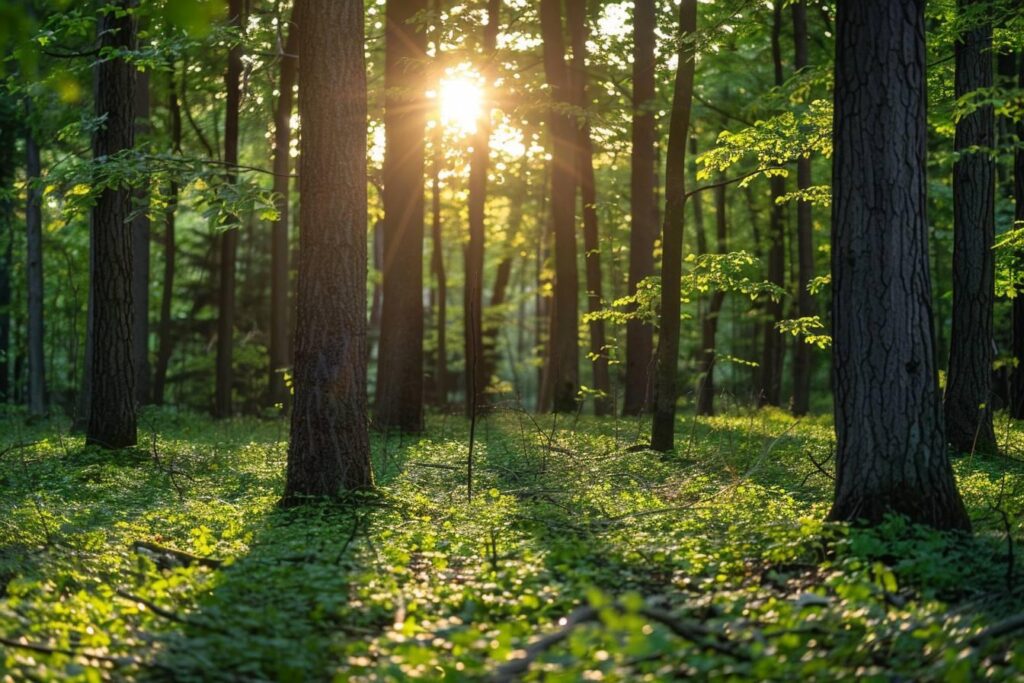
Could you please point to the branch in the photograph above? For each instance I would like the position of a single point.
(153, 607)
(730, 181)
(180, 555)
(45, 649)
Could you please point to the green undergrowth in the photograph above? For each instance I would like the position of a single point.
(580, 551)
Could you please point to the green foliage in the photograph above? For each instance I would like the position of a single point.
(808, 328)
(413, 581)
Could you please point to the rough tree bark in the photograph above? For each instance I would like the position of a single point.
(165, 342)
(643, 207)
(576, 19)
(968, 400)
(663, 424)
(400, 357)
(229, 238)
(773, 350)
(473, 318)
(1017, 384)
(330, 446)
(709, 321)
(112, 419)
(280, 324)
(140, 256)
(890, 443)
(563, 353)
(34, 274)
(805, 238)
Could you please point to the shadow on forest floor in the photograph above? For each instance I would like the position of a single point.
(415, 580)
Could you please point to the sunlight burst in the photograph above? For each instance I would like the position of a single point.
(461, 102)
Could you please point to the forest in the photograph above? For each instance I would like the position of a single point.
(500, 340)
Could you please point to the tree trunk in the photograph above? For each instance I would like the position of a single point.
(643, 207)
(112, 420)
(890, 447)
(34, 273)
(473, 319)
(1017, 386)
(9, 124)
(576, 19)
(330, 445)
(563, 352)
(140, 255)
(663, 425)
(400, 357)
(165, 342)
(773, 350)
(968, 400)
(805, 239)
(229, 238)
(280, 325)
(6, 266)
(441, 383)
(709, 321)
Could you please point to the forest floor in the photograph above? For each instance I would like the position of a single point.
(581, 556)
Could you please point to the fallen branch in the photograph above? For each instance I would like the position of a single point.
(179, 556)
(695, 632)
(512, 669)
(47, 650)
(153, 607)
(1001, 628)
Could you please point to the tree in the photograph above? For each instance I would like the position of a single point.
(1017, 386)
(400, 357)
(805, 237)
(111, 418)
(709, 321)
(140, 256)
(774, 348)
(229, 237)
(280, 356)
(562, 369)
(165, 342)
(34, 274)
(643, 210)
(329, 449)
(473, 322)
(968, 400)
(9, 125)
(890, 447)
(663, 425)
(576, 20)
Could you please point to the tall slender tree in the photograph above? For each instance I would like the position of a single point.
(890, 446)
(280, 324)
(9, 129)
(165, 342)
(330, 450)
(663, 424)
(34, 274)
(473, 322)
(400, 359)
(112, 418)
(225, 375)
(576, 18)
(773, 350)
(140, 255)
(968, 400)
(709, 321)
(562, 365)
(805, 237)
(643, 209)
